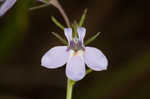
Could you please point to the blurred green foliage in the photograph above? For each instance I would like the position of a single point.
(122, 81)
(14, 28)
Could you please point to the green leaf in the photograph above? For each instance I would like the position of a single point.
(88, 71)
(83, 18)
(47, 0)
(92, 38)
(60, 38)
(57, 23)
(40, 6)
(75, 25)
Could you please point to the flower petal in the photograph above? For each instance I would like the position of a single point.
(68, 33)
(81, 33)
(6, 6)
(95, 59)
(55, 57)
(75, 68)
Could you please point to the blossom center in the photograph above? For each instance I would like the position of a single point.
(76, 45)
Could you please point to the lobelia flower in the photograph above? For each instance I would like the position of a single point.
(75, 56)
(9, 4)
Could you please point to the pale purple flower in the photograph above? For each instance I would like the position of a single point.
(75, 56)
(6, 6)
(9, 4)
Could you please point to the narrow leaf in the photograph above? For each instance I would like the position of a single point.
(75, 25)
(60, 38)
(92, 38)
(88, 71)
(40, 6)
(57, 23)
(83, 18)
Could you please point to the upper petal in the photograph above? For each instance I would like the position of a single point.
(81, 33)
(95, 59)
(68, 33)
(6, 6)
(75, 68)
(55, 57)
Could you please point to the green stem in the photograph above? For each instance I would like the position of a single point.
(56, 4)
(70, 84)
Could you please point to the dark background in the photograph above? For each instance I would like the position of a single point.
(125, 39)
